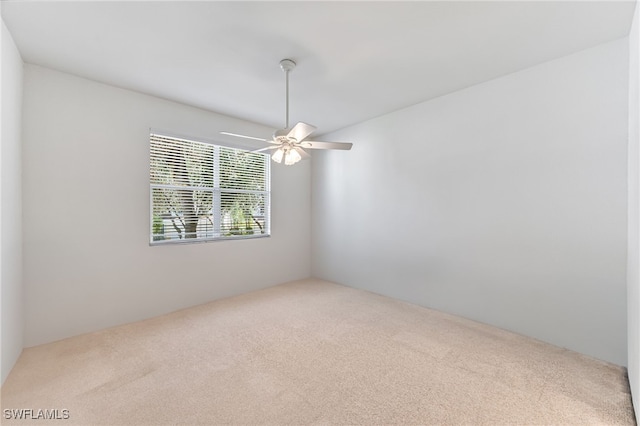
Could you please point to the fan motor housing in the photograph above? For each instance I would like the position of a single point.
(280, 133)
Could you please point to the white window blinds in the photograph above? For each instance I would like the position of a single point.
(202, 192)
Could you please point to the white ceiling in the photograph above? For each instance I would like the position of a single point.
(356, 60)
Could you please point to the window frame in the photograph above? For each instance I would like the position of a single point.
(216, 191)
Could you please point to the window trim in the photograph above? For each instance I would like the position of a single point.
(216, 190)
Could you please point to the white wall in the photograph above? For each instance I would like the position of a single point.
(87, 260)
(633, 254)
(11, 314)
(505, 202)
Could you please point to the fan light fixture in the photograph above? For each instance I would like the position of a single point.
(292, 157)
(277, 156)
(289, 154)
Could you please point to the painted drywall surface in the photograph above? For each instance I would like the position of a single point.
(505, 203)
(11, 315)
(88, 263)
(633, 253)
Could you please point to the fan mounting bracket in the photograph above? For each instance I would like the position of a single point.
(287, 65)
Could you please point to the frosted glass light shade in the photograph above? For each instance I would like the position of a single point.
(292, 157)
(277, 156)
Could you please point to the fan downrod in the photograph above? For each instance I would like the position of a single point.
(287, 65)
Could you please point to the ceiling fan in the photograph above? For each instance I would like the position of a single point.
(289, 142)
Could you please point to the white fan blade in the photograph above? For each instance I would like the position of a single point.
(301, 131)
(265, 149)
(326, 145)
(244, 136)
(302, 153)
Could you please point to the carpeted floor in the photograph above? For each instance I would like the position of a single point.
(314, 352)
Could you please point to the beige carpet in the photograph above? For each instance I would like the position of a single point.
(314, 352)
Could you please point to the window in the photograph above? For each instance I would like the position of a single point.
(204, 192)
